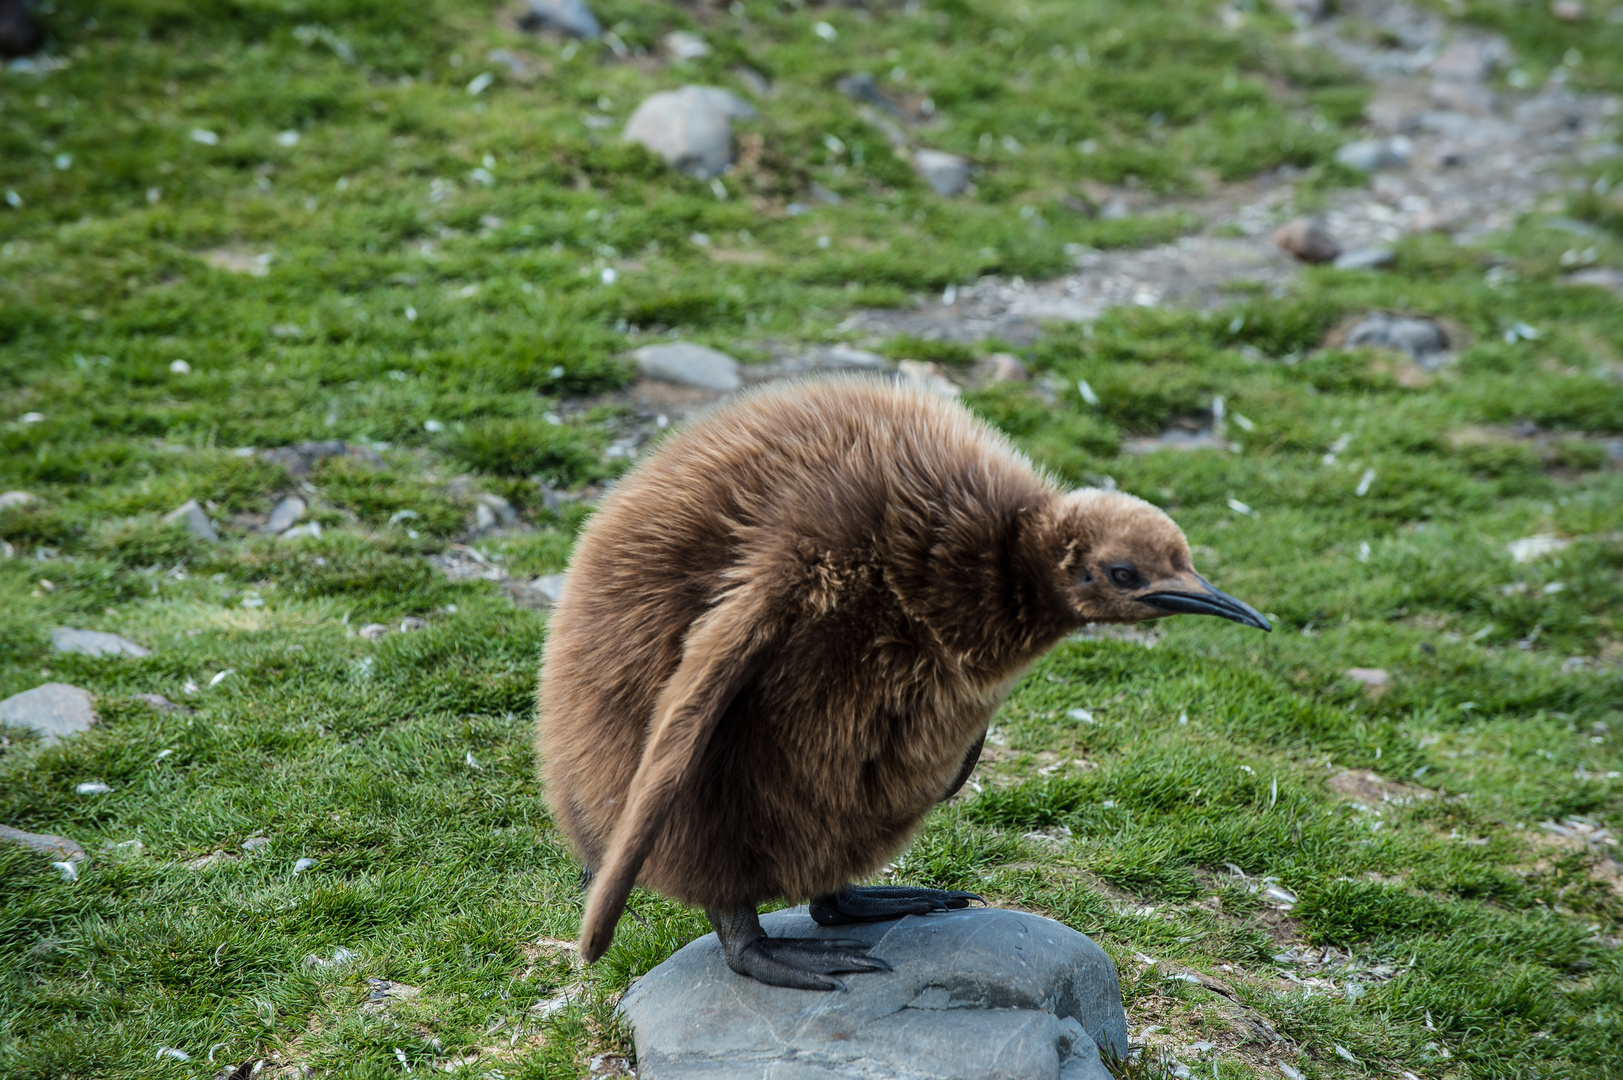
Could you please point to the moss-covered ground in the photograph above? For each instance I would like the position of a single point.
(307, 203)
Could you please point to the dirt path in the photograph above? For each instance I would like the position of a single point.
(1477, 158)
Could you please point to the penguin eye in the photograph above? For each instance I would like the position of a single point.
(1125, 576)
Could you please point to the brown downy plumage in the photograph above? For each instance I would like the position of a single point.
(784, 633)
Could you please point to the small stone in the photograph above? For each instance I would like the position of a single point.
(1372, 679)
(681, 45)
(1372, 155)
(43, 843)
(163, 704)
(13, 499)
(947, 174)
(1600, 277)
(1536, 547)
(1307, 239)
(286, 514)
(1303, 11)
(95, 643)
(1569, 11)
(550, 586)
(300, 458)
(310, 530)
(1366, 258)
(687, 364)
(412, 623)
(974, 995)
(928, 375)
(373, 631)
(570, 17)
(256, 843)
(691, 128)
(500, 510)
(1422, 339)
(1007, 368)
(54, 710)
(192, 516)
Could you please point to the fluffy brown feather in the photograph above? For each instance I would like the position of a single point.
(782, 633)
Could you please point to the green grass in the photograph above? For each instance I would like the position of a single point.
(404, 287)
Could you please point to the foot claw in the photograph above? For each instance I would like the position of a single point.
(873, 903)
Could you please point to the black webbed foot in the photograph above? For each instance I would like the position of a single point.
(797, 963)
(875, 903)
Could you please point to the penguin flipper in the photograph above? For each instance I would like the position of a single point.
(723, 651)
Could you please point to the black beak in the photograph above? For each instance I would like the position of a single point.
(1210, 602)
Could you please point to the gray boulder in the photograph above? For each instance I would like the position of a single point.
(11, 499)
(193, 517)
(691, 128)
(975, 995)
(687, 364)
(57, 847)
(1307, 239)
(1372, 155)
(286, 514)
(54, 710)
(95, 643)
(1422, 339)
(570, 17)
(947, 174)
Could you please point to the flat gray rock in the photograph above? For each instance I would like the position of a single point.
(686, 364)
(1365, 258)
(571, 17)
(58, 847)
(947, 174)
(1422, 339)
(691, 128)
(192, 516)
(286, 514)
(55, 710)
(11, 499)
(975, 995)
(95, 643)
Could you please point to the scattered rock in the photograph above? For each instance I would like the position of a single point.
(490, 511)
(550, 586)
(681, 45)
(1422, 339)
(1600, 277)
(95, 643)
(691, 128)
(19, 34)
(1307, 11)
(1536, 547)
(256, 843)
(1307, 239)
(1365, 258)
(1569, 11)
(54, 710)
(929, 375)
(163, 704)
(1176, 438)
(570, 17)
(386, 993)
(1372, 155)
(974, 994)
(687, 364)
(1007, 368)
(44, 843)
(1463, 61)
(947, 174)
(286, 514)
(13, 499)
(864, 87)
(1372, 679)
(308, 531)
(231, 260)
(209, 861)
(191, 515)
(373, 631)
(300, 458)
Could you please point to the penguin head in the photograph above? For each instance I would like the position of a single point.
(1117, 559)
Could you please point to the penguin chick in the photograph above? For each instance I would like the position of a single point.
(783, 637)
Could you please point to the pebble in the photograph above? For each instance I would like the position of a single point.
(929, 375)
(570, 17)
(43, 843)
(1366, 258)
(308, 531)
(1422, 339)
(373, 631)
(286, 514)
(1007, 368)
(947, 174)
(412, 623)
(974, 995)
(95, 643)
(14, 499)
(1372, 155)
(687, 364)
(681, 45)
(550, 586)
(1599, 277)
(1307, 239)
(300, 458)
(54, 710)
(197, 522)
(691, 128)
(490, 511)
(1372, 679)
